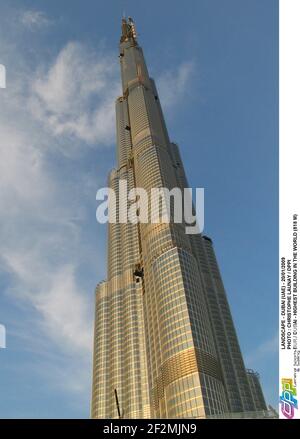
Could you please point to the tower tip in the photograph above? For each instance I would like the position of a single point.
(128, 29)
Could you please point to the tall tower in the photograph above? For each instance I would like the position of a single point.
(164, 340)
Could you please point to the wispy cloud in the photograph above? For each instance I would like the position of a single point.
(42, 207)
(174, 84)
(34, 19)
(75, 95)
(53, 292)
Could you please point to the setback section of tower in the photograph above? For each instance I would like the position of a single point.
(119, 340)
(230, 357)
(256, 390)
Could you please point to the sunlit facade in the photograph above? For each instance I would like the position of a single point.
(165, 345)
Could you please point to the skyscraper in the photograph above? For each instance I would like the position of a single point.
(165, 345)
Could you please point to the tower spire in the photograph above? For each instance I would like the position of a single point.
(128, 29)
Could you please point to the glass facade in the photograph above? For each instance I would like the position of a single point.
(164, 336)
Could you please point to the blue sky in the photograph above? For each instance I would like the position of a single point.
(215, 64)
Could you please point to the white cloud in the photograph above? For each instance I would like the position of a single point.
(172, 85)
(54, 293)
(75, 95)
(33, 19)
(42, 207)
